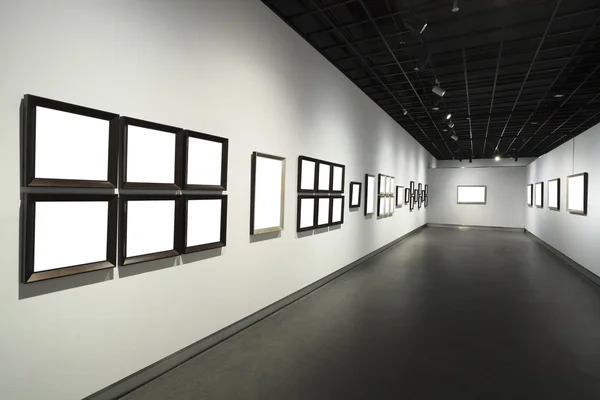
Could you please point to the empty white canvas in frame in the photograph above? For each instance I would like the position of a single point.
(471, 194)
(324, 177)
(268, 194)
(323, 211)
(150, 155)
(337, 210)
(539, 195)
(355, 189)
(150, 226)
(530, 195)
(307, 213)
(204, 160)
(338, 179)
(369, 194)
(554, 194)
(307, 178)
(203, 221)
(577, 193)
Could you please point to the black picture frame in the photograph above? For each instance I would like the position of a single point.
(328, 223)
(331, 223)
(412, 203)
(530, 190)
(177, 232)
(124, 123)
(420, 189)
(353, 188)
(187, 134)
(557, 208)
(585, 194)
(28, 135)
(318, 168)
(419, 202)
(407, 195)
(28, 274)
(299, 215)
(426, 201)
(426, 190)
(222, 242)
(371, 190)
(412, 188)
(399, 195)
(300, 172)
(343, 167)
(542, 196)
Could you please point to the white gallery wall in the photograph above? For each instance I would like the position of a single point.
(229, 68)
(576, 236)
(505, 205)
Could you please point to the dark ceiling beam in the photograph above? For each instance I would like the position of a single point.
(558, 75)
(339, 33)
(402, 69)
(537, 52)
(317, 10)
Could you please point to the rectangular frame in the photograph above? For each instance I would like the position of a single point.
(412, 188)
(300, 172)
(28, 274)
(185, 249)
(419, 202)
(343, 167)
(530, 193)
(331, 223)
(318, 169)
(541, 203)
(177, 233)
(585, 194)
(279, 227)
(367, 191)
(328, 223)
(28, 134)
(426, 201)
(411, 203)
(426, 190)
(187, 134)
(352, 189)
(557, 208)
(407, 195)
(399, 196)
(299, 215)
(177, 184)
(480, 203)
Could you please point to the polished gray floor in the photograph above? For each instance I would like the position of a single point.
(446, 314)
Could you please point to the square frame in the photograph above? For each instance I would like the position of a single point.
(299, 215)
(28, 137)
(585, 194)
(473, 203)
(187, 134)
(352, 189)
(542, 196)
(253, 195)
(185, 249)
(28, 274)
(177, 232)
(124, 123)
(557, 208)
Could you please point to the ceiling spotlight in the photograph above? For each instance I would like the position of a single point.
(559, 95)
(459, 159)
(404, 112)
(454, 137)
(455, 6)
(497, 158)
(448, 116)
(516, 158)
(438, 90)
(470, 160)
(451, 125)
(423, 60)
(444, 130)
(415, 25)
(534, 123)
(436, 108)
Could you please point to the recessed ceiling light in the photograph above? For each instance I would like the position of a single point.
(534, 123)
(497, 158)
(436, 108)
(559, 95)
(444, 130)
(448, 116)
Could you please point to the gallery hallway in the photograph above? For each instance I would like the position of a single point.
(445, 314)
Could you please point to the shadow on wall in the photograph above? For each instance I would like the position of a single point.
(265, 236)
(64, 283)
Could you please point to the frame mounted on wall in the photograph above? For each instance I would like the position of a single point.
(150, 156)
(204, 222)
(539, 194)
(471, 194)
(355, 192)
(399, 194)
(307, 174)
(323, 211)
(336, 213)
(150, 227)
(407, 195)
(205, 161)
(306, 213)
(577, 193)
(67, 234)
(554, 194)
(338, 176)
(267, 193)
(66, 145)
(530, 195)
(369, 194)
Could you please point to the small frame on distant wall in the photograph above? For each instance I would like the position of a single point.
(150, 227)
(530, 195)
(204, 222)
(411, 203)
(539, 194)
(67, 234)
(399, 194)
(150, 155)
(369, 194)
(577, 193)
(355, 192)
(267, 193)
(205, 161)
(65, 145)
(471, 194)
(554, 194)
(407, 195)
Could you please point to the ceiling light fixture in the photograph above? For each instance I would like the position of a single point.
(451, 125)
(559, 95)
(436, 108)
(470, 160)
(497, 158)
(438, 90)
(448, 116)
(455, 6)
(404, 112)
(454, 137)
(415, 25)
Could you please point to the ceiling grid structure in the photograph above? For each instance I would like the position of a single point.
(520, 77)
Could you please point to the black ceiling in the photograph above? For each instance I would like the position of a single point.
(522, 76)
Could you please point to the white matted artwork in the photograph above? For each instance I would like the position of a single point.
(369, 194)
(471, 194)
(577, 193)
(539, 194)
(323, 209)
(66, 145)
(554, 194)
(205, 222)
(150, 227)
(324, 184)
(337, 184)
(267, 193)
(399, 194)
(206, 161)
(68, 234)
(337, 210)
(307, 169)
(306, 213)
(150, 156)
(530, 195)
